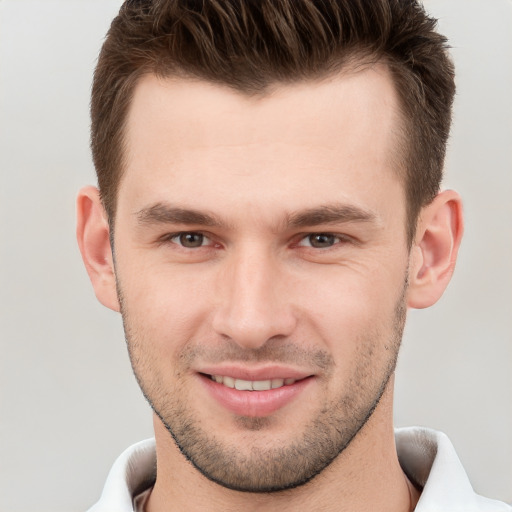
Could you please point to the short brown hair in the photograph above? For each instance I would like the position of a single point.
(251, 44)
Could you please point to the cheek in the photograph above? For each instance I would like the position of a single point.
(353, 312)
(162, 306)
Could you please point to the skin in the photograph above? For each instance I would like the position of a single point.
(255, 290)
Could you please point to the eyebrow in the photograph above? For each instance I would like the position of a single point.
(164, 213)
(330, 214)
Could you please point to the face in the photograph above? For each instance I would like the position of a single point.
(261, 262)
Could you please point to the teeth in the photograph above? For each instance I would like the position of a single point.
(277, 383)
(261, 385)
(243, 385)
(229, 382)
(251, 385)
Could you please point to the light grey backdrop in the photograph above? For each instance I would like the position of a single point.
(68, 402)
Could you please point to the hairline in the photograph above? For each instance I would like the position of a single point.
(356, 61)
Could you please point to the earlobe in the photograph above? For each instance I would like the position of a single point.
(92, 233)
(434, 252)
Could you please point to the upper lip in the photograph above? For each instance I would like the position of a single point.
(254, 374)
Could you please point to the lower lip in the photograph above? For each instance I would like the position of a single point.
(254, 403)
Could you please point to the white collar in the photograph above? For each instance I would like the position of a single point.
(426, 456)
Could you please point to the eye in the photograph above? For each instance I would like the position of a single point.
(191, 240)
(319, 240)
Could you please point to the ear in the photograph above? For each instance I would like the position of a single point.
(92, 232)
(434, 252)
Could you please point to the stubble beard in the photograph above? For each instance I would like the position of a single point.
(270, 469)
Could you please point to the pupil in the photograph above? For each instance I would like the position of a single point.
(191, 239)
(321, 240)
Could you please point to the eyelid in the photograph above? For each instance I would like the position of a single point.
(341, 238)
(298, 239)
(170, 237)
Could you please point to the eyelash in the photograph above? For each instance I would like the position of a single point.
(334, 238)
(171, 236)
(338, 239)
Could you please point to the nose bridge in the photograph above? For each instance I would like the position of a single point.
(253, 304)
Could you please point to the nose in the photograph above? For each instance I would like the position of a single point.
(254, 300)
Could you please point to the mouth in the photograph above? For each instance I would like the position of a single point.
(255, 395)
(252, 385)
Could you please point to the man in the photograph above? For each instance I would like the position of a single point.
(268, 209)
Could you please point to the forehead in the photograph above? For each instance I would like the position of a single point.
(188, 140)
(349, 103)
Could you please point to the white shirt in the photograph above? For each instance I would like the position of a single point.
(427, 457)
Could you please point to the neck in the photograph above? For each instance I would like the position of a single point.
(366, 476)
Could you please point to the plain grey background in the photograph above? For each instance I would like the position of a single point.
(68, 402)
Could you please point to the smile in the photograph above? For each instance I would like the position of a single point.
(255, 395)
(252, 385)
